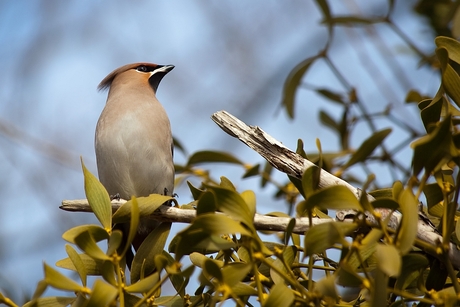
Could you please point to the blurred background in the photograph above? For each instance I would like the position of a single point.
(229, 55)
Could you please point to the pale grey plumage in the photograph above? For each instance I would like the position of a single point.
(133, 136)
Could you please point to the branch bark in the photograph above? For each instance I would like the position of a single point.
(288, 162)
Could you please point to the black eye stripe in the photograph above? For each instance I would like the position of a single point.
(142, 68)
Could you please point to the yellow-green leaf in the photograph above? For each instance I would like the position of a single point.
(98, 198)
(102, 294)
(208, 156)
(77, 262)
(97, 232)
(91, 265)
(323, 236)
(292, 83)
(59, 281)
(335, 197)
(367, 147)
(147, 205)
(87, 244)
(451, 45)
(153, 245)
(280, 296)
(52, 301)
(408, 227)
(388, 259)
(144, 285)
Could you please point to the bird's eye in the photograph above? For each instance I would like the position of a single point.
(142, 68)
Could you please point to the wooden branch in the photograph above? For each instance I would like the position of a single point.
(291, 163)
(173, 214)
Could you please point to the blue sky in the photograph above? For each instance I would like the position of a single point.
(232, 55)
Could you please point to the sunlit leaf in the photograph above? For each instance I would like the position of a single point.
(98, 198)
(323, 236)
(388, 259)
(97, 232)
(152, 245)
(280, 296)
(335, 197)
(77, 262)
(87, 244)
(52, 301)
(412, 265)
(234, 272)
(408, 230)
(451, 45)
(102, 294)
(91, 265)
(367, 147)
(326, 286)
(144, 285)
(433, 149)
(147, 205)
(208, 156)
(59, 281)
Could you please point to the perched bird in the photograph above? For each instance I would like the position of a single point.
(134, 145)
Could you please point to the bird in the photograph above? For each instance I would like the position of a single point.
(133, 140)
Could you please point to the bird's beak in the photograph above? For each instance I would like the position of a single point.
(163, 68)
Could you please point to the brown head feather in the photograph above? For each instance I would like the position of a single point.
(107, 81)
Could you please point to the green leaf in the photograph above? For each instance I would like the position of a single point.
(91, 265)
(198, 260)
(208, 156)
(133, 225)
(87, 244)
(388, 259)
(388, 203)
(326, 286)
(102, 294)
(249, 198)
(280, 296)
(323, 236)
(152, 245)
(367, 147)
(293, 82)
(335, 197)
(147, 205)
(252, 171)
(232, 204)
(144, 285)
(206, 203)
(310, 181)
(115, 240)
(196, 192)
(98, 198)
(52, 301)
(97, 232)
(328, 121)
(235, 272)
(450, 78)
(408, 226)
(59, 281)
(431, 111)
(218, 224)
(77, 262)
(413, 96)
(287, 258)
(433, 149)
(412, 266)
(332, 96)
(242, 289)
(451, 45)
(212, 270)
